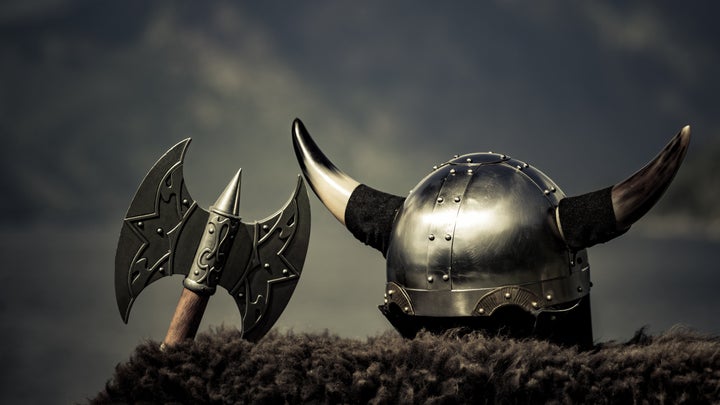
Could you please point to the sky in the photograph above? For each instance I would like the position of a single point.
(93, 93)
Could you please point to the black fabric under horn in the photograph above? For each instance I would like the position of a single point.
(588, 219)
(369, 216)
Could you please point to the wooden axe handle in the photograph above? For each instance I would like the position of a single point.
(188, 314)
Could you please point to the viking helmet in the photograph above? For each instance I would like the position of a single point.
(488, 241)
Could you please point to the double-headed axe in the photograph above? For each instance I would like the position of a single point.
(165, 233)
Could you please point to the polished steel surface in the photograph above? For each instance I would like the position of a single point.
(476, 226)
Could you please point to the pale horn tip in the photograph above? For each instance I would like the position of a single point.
(332, 186)
(685, 133)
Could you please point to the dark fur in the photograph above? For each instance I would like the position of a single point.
(589, 219)
(678, 366)
(370, 214)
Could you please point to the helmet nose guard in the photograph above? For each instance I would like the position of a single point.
(484, 234)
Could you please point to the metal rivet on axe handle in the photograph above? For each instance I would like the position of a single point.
(165, 232)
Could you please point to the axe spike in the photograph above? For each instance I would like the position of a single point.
(229, 201)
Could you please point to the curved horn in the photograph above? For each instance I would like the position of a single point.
(332, 186)
(367, 213)
(602, 215)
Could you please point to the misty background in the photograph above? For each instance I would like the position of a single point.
(93, 93)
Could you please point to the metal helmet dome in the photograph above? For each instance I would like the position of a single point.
(484, 234)
(479, 233)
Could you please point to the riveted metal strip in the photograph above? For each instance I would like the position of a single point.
(542, 181)
(441, 230)
(397, 295)
(514, 295)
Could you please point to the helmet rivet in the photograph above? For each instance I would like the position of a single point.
(440, 199)
(457, 199)
(386, 301)
(519, 167)
(430, 279)
(534, 304)
(507, 295)
(447, 236)
(159, 231)
(406, 309)
(503, 156)
(546, 191)
(385, 295)
(431, 237)
(266, 265)
(548, 297)
(525, 165)
(185, 202)
(196, 272)
(456, 156)
(435, 167)
(469, 171)
(140, 224)
(580, 289)
(265, 227)
(553, 189)
(468, 160)
(285, 272)
(446, 277)
(391, 292)
(481, 310)
(452, 171)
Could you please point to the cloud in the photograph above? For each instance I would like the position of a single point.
(643, 28)
(17, 11)
(108, 111)
(98, 107)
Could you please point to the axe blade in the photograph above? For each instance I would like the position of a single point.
(163, 221)
(279, 246)
(162, 230)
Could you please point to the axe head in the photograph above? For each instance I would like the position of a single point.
(163, 227)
